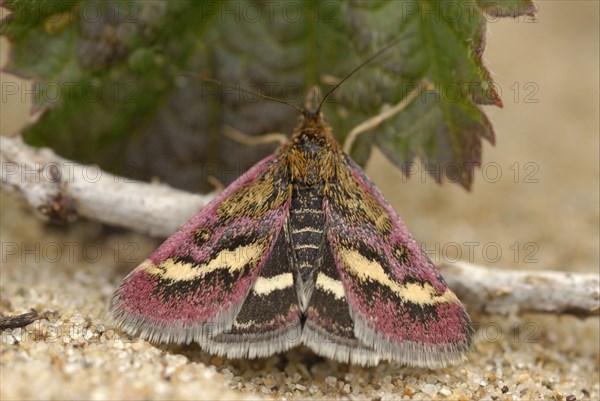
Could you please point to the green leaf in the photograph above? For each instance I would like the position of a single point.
(508, 8)
(444, 134)
(117, 81)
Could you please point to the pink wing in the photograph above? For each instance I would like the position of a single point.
(399, 303)
(194, 285)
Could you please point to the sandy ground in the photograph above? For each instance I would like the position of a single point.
(541, 213)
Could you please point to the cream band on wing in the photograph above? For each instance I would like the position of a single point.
(230, 260)
(333, 286)
(366, 269)
(264, 286)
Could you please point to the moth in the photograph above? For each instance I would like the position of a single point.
(301, 249)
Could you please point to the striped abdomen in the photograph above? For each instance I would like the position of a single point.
(306, 222)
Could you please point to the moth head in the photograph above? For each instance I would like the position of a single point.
(313, 124)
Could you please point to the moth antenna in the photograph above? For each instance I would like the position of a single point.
(249, 92)
(361, 65)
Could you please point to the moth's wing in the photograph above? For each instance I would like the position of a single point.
(329, 328)
(399, 303)
(193, 286)
(269, 321)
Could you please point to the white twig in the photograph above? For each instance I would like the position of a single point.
(60, 189)
(516, 291)
(248, 140)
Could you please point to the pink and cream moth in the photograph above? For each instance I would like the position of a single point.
(302, 249)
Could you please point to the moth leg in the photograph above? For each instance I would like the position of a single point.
(215, 182)
(374, 121)
(248, 140)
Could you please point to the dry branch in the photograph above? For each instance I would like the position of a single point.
(506, 291)
(61, 189)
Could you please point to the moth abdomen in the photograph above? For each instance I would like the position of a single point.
(305, 228)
